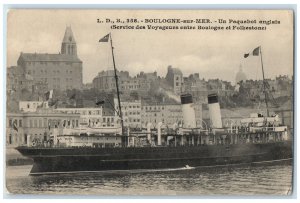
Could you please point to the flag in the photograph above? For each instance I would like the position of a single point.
(255, 52)
(246, 55)
(105, 38)
(15, 125)
(49, 95)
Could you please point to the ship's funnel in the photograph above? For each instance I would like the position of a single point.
(188, 111)
(214, 111)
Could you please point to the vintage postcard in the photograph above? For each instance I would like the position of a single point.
(149, 102)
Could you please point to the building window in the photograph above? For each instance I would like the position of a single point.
(10, 122)
(25, 138)
(30, 124)
(35, 123)
(20, 123)
(45, 122)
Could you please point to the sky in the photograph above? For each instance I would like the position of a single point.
(212, 54)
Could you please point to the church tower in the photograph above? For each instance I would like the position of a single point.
(68, 45)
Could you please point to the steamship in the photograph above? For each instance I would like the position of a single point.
(258, 139)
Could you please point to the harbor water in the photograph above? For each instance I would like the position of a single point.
(275, 179)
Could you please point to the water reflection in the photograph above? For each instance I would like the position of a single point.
(254, 180)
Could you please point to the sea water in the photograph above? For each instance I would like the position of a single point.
(238, 180)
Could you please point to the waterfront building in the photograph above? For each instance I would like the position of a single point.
(92, 117)
(132, 113)
(18, 81)
(168, 114)
(130, 84)
(39, 125)
(59, 71)
(32, 106)
(196, 87)
(88, 116)
(220, 87)
(105, 80)
(175, 79)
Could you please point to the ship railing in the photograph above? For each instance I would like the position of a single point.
(269, 129)
(254, 129)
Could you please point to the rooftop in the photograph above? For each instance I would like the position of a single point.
(48, 57)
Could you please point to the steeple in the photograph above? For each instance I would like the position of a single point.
(68, 45)
(240, 75)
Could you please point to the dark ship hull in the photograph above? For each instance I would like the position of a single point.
(84, 159)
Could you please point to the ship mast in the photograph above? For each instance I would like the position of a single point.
(264, 83)
(117, 85)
